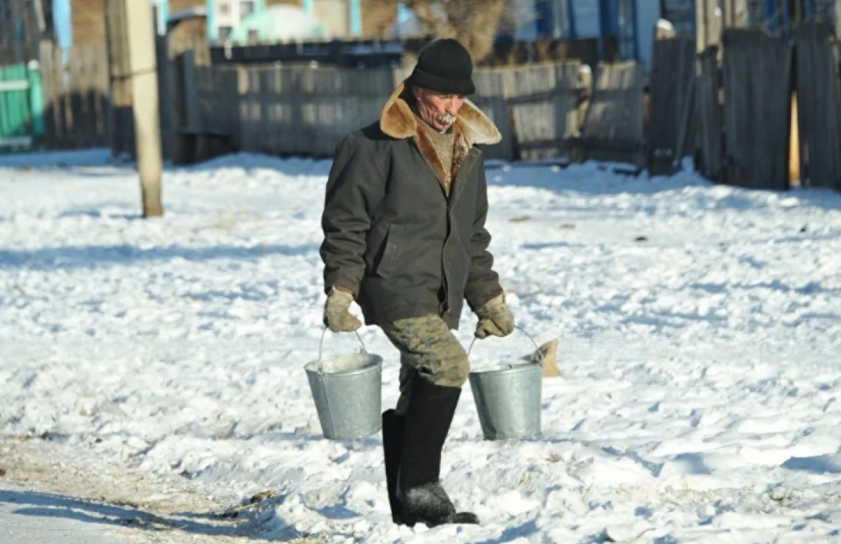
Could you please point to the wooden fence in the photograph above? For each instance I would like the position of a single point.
(119, 74)
(536, 108)
(709, 152)
(544, 104)
(302, 111)
(384, 54)
(670, 122)
(491, 98)
(728, 106)
(613, 128)
(712, 17)
(741, 107)
(77, 97)
(541, 110)
(818, 104)
(757, 115)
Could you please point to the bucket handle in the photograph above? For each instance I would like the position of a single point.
(321, 345)
(522, 330)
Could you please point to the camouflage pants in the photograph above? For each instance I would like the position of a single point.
(429, 351)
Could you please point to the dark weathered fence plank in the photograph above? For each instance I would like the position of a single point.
(491, 99)
(709, 137)
(77, 96)
(291, 110)
(543, 103)
(50, 64)
(162, 64)
(757, 109)
(613, 128)
(818, 105)
(121, 121)
(672, 79)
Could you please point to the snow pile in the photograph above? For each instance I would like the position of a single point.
(700, 328)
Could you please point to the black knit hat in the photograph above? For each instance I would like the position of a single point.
(444, 66)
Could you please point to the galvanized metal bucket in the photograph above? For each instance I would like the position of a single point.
(508, 398)
(347, 390)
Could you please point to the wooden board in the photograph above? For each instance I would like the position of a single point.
(757, 89)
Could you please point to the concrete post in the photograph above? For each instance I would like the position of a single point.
(144, 88)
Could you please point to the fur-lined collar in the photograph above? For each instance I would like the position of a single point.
(472, 127)
(399, 122)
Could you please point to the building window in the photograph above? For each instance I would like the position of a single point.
(224, 9)
(224, 33)
(246, 8)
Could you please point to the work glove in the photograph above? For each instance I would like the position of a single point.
(337, 314)
(495, 318)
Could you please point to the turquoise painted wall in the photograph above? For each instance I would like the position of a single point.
(355, 17)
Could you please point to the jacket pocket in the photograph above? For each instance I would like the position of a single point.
(393, 248)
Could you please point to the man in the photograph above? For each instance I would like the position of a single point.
(404, 235)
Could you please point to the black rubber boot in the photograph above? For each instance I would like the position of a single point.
(427, 423)
(393, 426)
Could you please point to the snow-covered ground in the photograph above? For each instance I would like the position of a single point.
(699, 329)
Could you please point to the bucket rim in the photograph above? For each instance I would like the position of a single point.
(376, 362)
(499, 370)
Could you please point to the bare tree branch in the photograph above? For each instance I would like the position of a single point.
(425, 11)
(473, 22)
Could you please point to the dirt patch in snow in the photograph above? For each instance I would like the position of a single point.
(160, 510)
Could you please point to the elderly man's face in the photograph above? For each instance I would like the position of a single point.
(437, 109)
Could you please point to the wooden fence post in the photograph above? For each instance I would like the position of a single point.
(818, 104)
(51, 69)
(613, 129)
(164, 74)
(121, 122)
(543, 104)
(757, 85)
(191, 97)
(672, 80)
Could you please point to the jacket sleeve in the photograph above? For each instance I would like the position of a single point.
(354, 189)
(482, 282)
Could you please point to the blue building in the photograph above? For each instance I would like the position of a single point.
(225, 15)
(630, 22)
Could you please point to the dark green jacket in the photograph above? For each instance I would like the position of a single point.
(392, 235)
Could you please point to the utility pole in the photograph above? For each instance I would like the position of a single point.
(143, 77)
